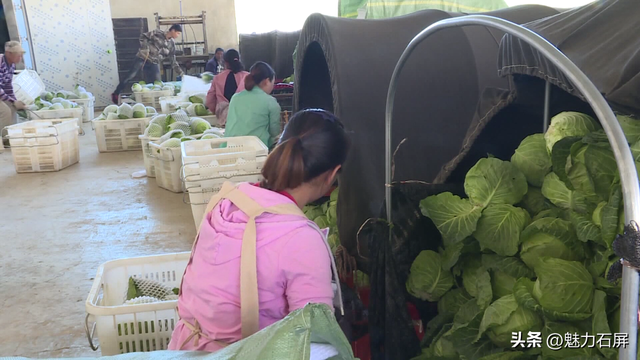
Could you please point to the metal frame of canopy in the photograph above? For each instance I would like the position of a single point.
(624, 159)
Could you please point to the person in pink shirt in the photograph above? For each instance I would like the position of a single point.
(292, 262)
(225, 85)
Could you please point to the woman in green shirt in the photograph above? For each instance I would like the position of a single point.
(253, 112)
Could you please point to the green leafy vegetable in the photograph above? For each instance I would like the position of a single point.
(568, 124)
(556, 191)
(499, 228)
(493, 181)
(563, 286)
(456, 218)
(427, 279)
(550, 237)
(630, 127)
(610, 214)
(532, 159)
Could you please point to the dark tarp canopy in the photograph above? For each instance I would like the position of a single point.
(602, 39)
(275, 48)
(345, 65)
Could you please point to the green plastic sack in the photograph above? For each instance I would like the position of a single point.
(291, 338)
(288, 339)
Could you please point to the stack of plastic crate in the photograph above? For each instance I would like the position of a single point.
(208, 164)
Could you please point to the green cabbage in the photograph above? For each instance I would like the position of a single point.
(180, 125)
(207, 77)
(568, 124)
(427, 279)
(125, 111)
(504, 317)
(198, 98)
(199, 126)
(532, 159)
(550, 237)
(171, 143)
(493, 181)
(110, 109)
(154, 130)
(139, 111)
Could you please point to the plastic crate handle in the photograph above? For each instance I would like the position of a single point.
(32, 137)
(90, 333)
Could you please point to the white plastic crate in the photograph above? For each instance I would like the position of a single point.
(76, 113)
(133, 328)
(149, 162)
(169, 104)
(119, 135)
(167, 163)
(44, 145)
(27, 86)
(220, 152)
(151, 98)
(88, 105)
(200, 192)
(209, 163)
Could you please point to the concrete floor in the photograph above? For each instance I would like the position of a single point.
(57, 228)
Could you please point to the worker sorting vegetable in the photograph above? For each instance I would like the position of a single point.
(257, 257)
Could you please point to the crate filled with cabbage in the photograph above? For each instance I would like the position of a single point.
(60, 105)
(150, 94)
(118, 127)
(193, 105)
(79, 95)
(528, 249)
(161, 145)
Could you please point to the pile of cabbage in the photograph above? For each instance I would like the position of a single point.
(325, 216)
(529, 248)
(59, 100)
(156, 86)
(193, 105)
(126, 111)
(172, 129)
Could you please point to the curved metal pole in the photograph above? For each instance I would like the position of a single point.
(624, 159)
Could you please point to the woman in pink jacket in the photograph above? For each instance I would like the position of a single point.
(225, 85)
(255, 237)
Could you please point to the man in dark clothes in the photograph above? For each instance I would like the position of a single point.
(154, 47)
(216, 64)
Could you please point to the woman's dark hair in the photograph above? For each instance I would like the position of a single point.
(230, 86)
(259, 71)
(232, 57)
(176, 27)
(313, 142)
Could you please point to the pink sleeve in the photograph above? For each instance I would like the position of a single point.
(240, 80)
(211, 101)
(307, 270)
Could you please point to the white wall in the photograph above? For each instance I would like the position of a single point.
(71, 42)
(221, 17)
